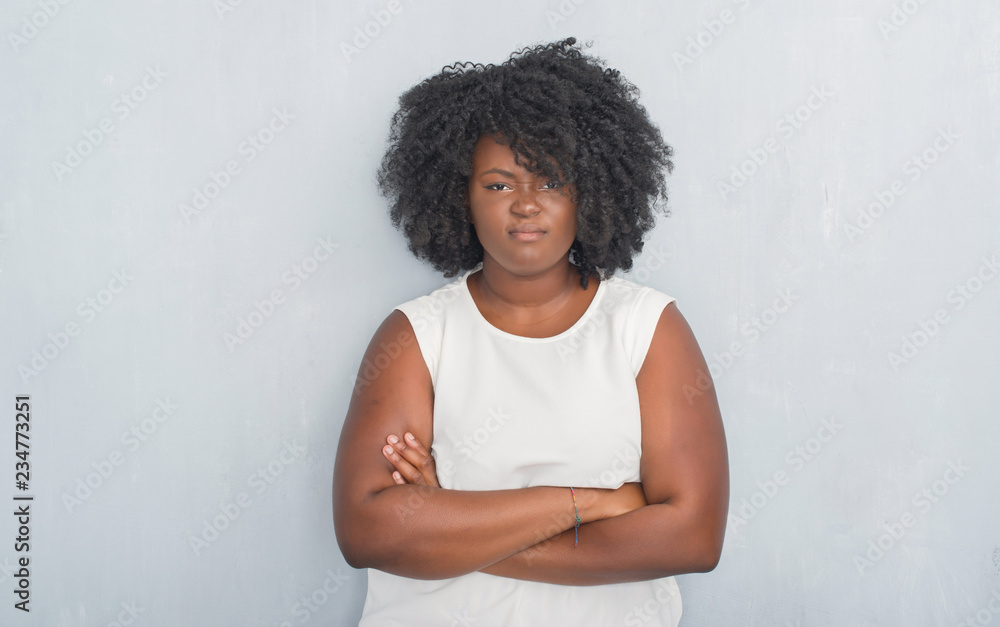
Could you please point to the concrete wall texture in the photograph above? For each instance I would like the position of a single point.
(193, 257)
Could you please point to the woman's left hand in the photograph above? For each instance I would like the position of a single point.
(413, 462)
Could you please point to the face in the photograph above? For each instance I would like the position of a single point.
(525, 222)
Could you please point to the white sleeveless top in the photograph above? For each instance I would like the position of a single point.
(516, 412)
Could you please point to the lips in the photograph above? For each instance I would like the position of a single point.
(527, 233)
(527, 228)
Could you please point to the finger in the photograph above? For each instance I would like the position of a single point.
(426, 463)
(416, 454)
(405, 468)
(398, 478)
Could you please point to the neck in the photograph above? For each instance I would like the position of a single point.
(550, 288)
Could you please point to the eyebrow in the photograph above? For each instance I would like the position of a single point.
(502, 172)
(498, 171)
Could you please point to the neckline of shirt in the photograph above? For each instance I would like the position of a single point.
(471, 303)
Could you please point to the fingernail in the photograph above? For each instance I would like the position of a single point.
(387, 450)
(409, 436)
(393, 439)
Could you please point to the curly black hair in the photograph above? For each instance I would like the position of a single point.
(558, 110)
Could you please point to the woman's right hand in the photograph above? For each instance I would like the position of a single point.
(414, 464)
(628, 497)
(600, 503)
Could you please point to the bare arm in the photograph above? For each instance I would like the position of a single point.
(685, 476)
(418, 530)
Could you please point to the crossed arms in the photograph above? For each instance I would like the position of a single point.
(391, 514)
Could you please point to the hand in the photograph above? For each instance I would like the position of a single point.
(600, 503)
(413, 462)
(629, 497)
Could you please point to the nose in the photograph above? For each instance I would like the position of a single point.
(525, 203)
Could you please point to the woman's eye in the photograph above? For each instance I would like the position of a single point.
(501, 186)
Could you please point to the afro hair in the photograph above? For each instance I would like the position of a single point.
(559, 110)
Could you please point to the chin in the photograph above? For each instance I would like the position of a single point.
(530, 267)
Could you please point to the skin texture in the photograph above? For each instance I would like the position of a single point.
(524, 288)
(391, 514)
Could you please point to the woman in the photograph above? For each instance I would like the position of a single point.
(533, 443)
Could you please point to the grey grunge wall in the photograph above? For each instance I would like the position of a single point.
(193, 257)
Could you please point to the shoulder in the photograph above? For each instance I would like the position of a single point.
(636, 310)
(673, 347)
(635, 299)
(395, 349)
(416, 326)
(435, 304)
